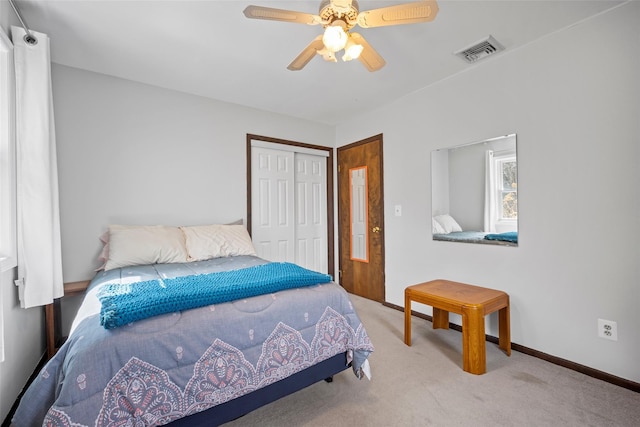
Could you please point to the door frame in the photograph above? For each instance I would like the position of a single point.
(379, 138)
(330, 191)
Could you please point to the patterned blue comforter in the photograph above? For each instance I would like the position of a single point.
(156, 370)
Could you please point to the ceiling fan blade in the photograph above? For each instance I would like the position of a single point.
(259, 12)
(408, 13)
(307, 54)
(369, 57)
(341, 3)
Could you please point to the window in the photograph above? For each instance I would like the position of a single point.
(506, 197)
(7, 156)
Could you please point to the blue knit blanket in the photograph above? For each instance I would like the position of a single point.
(510, 236)
(126, 303)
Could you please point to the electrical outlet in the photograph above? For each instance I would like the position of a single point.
(608, 329)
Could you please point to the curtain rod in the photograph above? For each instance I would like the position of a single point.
(29, 38)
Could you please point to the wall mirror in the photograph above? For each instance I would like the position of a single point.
(474, 192)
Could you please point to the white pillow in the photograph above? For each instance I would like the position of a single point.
(217, 240)
(140, 245)
(436, 228)
(448, 223)
(104, 253)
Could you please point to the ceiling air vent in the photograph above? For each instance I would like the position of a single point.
(480, 50)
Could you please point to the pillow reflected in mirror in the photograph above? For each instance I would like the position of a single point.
(447, 223)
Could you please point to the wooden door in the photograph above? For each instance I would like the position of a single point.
(361, 218)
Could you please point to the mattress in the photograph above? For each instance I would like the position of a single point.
(166, 367)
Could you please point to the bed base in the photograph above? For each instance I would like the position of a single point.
(242, 405)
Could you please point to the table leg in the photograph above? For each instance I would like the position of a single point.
(504, 330)
(440, 318)
(474, 358)
(407, 319)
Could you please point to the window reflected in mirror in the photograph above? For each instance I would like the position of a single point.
(359, 201)
(474, 192)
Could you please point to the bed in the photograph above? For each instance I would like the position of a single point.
(504, 239)
(446, 228)
(193, 366)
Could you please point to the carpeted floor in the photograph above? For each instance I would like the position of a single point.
(424, 385)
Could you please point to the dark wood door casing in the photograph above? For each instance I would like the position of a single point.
(330, 214)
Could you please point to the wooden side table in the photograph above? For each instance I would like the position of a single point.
(473, 303)
(52, 315)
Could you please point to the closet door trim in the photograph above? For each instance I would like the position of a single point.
(294, 148)
(325, 151)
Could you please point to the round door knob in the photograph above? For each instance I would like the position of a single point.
(375, 229)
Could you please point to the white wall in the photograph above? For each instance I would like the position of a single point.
(24, 343)
(573, 100)
(136, 154)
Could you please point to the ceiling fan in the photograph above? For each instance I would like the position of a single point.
(338, 17)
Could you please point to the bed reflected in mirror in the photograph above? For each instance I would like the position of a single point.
(474, 192)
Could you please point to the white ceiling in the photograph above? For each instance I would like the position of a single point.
(209, 48)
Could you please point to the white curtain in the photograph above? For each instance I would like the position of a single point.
(38, 216)
(490, 213)
(7, 162)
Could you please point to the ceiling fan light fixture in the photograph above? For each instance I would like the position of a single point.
(335, 38)
(327, 55)
(352, 50)
(338, 18)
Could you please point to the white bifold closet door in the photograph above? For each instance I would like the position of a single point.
(289, 206)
